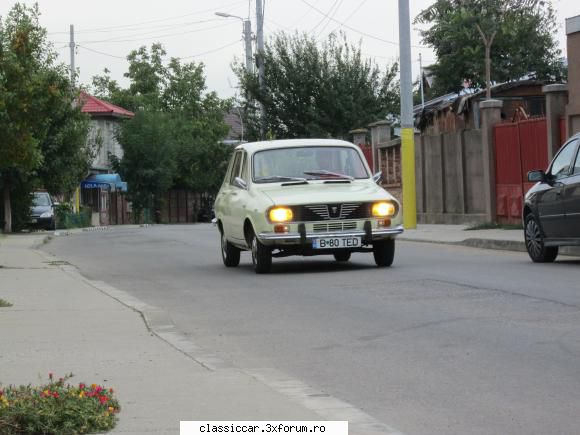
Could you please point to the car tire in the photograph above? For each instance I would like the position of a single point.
(384, 252)
(534, 237)
(342, 256)
(261, 255)
(230, 254)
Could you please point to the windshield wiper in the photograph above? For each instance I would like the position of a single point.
(281, 178)
(329, 174)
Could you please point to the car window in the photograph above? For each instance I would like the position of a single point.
(244, 173)
(577, 165)
(304, 162)
(236, 166)
(561, 164)
(41, 199)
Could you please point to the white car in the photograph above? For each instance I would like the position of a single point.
(304, 197)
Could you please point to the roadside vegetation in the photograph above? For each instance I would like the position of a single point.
(57, 408)
(4, 303)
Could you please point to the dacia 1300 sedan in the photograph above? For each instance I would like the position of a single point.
(304, 197)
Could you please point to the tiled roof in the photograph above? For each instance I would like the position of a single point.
(97, 106)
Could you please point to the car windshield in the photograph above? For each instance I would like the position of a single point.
(41, 199)
(311, 163)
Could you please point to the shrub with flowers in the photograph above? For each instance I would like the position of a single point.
(57, 408)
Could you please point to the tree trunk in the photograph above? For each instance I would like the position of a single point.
(7, 208)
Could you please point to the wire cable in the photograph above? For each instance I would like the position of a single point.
(354, 29)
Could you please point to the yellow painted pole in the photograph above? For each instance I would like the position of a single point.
(408, 174)
(78, 199)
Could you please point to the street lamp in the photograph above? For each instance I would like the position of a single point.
(247, 38)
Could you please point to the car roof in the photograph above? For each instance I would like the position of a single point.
(252, 147)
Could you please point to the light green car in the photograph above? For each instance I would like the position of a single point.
(304, 197)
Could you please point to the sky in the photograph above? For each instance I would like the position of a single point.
(106, 31)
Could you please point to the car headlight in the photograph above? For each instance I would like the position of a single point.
(384, 209)
(46, 214)
(280, 214)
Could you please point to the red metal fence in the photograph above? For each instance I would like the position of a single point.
(519, 148)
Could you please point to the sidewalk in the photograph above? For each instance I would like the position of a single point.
(508, 240)
(61, 323)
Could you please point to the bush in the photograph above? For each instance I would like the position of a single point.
(66, 218)
(57, 408)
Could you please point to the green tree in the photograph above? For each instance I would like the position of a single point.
(189, 126)
(37, 119)
(317, 90)
(483, 41)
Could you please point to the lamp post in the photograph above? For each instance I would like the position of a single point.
(247, 38)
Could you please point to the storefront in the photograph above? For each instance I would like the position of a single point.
(104, 194)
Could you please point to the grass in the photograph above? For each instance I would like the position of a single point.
(494, 226)
(4, 304)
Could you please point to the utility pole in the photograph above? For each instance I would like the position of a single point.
(407, 125)
(260, 59)
(248, 41)
(421, 73)
(72, 46)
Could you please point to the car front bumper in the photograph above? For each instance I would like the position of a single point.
(306, 237)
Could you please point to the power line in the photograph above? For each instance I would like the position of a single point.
(351, 14)
(210, 51)
(354, 29)
(325, 16)
(328, 21)
(125, 26)
(113, 40)
(101, 52)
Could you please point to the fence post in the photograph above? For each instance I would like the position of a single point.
(490, 116)
(556, 100)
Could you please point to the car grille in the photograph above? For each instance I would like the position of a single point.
(325, 212)
(334, 226)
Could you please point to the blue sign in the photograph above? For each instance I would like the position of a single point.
(95, 185)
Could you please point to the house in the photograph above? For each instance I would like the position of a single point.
(457, 111)
(102, 190)
(236, 124)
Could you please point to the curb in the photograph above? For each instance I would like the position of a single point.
(494, 244)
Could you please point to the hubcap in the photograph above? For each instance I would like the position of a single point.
(254, 249)
(534, 241)
(224, 241)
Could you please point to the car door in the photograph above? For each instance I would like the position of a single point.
(239, 199)
(227, 193)
(551, 200)
(572, 199)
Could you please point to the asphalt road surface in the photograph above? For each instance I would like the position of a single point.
(450, 340)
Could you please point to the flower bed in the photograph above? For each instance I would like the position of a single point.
(57, 408)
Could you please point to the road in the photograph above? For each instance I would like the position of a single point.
(450, 340)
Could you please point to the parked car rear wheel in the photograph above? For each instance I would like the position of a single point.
(538, 252)
(230, 254)
(384, 252)
(261, 255)
(342, 256)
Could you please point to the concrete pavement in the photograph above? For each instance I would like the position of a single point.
(507, 240)
(61, 323)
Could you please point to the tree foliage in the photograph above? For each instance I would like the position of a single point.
(43, 136)
(174, 139)
(317, 90)
(522, 32)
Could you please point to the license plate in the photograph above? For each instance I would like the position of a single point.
(337, 242)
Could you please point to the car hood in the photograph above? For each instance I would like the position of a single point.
(325, 193)
(37, 210)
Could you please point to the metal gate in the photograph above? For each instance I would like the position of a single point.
(519, 147)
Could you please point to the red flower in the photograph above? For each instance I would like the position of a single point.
(55, 395)
(50, 375)
(103, 399)
(81, 386)
(111, 390)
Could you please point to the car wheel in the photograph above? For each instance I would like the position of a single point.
(538, 252)
(261, 255)
(384, 252)
(230, 254)
(342, 256)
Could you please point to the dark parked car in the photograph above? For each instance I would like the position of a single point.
(552, 207)
(42, 211)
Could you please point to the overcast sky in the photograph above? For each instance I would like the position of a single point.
(107, 30)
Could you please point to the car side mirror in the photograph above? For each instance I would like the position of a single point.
(377, 178)
(239, 182)
(537, 175)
